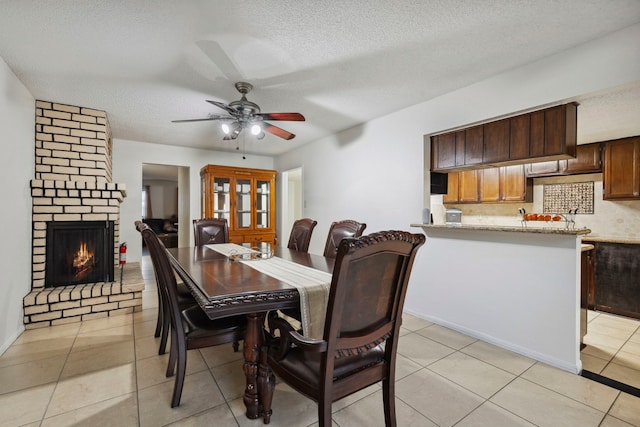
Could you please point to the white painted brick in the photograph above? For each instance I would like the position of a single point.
(84, 118)
(65, 320)
(105, 307)
(92, 112)
(65, 107)
(47, 209)
(57, 114)
(44, 136)
(66, 202)
(57, 146)
(77, 209)
(57, 130)
(65, 170)
(66, 123)
(94, 301)
(95, 217)
(43, 121)
(67, 217)
(66, 305)
(43, 104)
(55, 161)
(82, 133)
(66, 154)
(42, 201)
(84, 149)
(76, 311)
(46, 316)
(66, 138)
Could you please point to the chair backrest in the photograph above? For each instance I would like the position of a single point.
(338, 231)
(367, 293)
(301, 234)
(165, 276)
(210, 230)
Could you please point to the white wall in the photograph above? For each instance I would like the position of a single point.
(164, 197)
(17, 168)
(128, 157)
(374, 173)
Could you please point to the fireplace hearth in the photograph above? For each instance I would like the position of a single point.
(79, 252)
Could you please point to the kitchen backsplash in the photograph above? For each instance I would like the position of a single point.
(610, 219)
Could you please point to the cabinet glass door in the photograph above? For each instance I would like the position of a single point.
(222, 198)
(263, 204)
(243, 203)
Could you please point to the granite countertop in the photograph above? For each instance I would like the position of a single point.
(604, 239)
(514, 229)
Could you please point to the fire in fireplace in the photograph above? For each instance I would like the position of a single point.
(79, 252)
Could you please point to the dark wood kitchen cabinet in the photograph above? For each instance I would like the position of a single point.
(587, 160)
(621, 174)
(537, 136)
(492, 185)
(616, 278)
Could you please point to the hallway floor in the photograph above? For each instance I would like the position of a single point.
(107, 372)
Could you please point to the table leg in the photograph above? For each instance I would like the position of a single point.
(253, 341)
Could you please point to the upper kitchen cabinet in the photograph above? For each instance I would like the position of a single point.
(587, 160)
(532, 137)
(621, 175)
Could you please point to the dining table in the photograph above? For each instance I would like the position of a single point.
(225, 286)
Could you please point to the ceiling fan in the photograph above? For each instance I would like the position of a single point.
(246, 114)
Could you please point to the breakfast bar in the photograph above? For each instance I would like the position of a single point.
(515, 287)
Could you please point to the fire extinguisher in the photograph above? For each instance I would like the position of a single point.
(123, 253)
(123, 259)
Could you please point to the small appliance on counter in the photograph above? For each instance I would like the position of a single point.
(453, 216)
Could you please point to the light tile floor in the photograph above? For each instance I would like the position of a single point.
(613, 347)
(107, 372)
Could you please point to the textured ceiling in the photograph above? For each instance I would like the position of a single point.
(340, 63)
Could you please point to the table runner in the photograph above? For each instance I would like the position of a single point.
(312, 285)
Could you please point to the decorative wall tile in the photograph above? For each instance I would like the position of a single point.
(560, 198)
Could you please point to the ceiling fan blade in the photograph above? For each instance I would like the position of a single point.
(201, 120)
(275, 130)
(291, 117)
(223, 106)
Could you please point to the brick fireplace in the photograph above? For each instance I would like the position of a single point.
(73, 184)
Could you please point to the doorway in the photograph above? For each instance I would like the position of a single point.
(292, 201)
(165, 195)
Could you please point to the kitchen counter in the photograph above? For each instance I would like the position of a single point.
(600, 239)
(492, 283)
(511, 229)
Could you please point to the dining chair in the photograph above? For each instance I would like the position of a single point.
(338, 231)
(185, 299)
(210, 230)
(190, 327)
(300, 236)
(361, 330)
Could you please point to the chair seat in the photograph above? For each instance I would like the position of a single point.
(197, 324)
(305, 366)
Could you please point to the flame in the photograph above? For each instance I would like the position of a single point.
(83, 259)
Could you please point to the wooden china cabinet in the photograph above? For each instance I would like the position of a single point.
(244, 197)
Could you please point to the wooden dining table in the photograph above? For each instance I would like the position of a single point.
(223, 287)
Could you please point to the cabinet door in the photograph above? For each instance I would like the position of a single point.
(516, 187)
(443, 151)
(452, 188)
(587, 160)
(519, 129)
(496, 141)
(550, 168)
(222, 198)
(468, 186)
(536, 143)
(473, 145)
(489, 185)
(622, 169)
(264, 203)
(243, 204)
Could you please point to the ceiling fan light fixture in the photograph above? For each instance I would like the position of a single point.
(256, 129)
(260, 135)
(225, 128)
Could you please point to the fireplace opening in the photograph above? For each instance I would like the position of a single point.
(79, 252)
